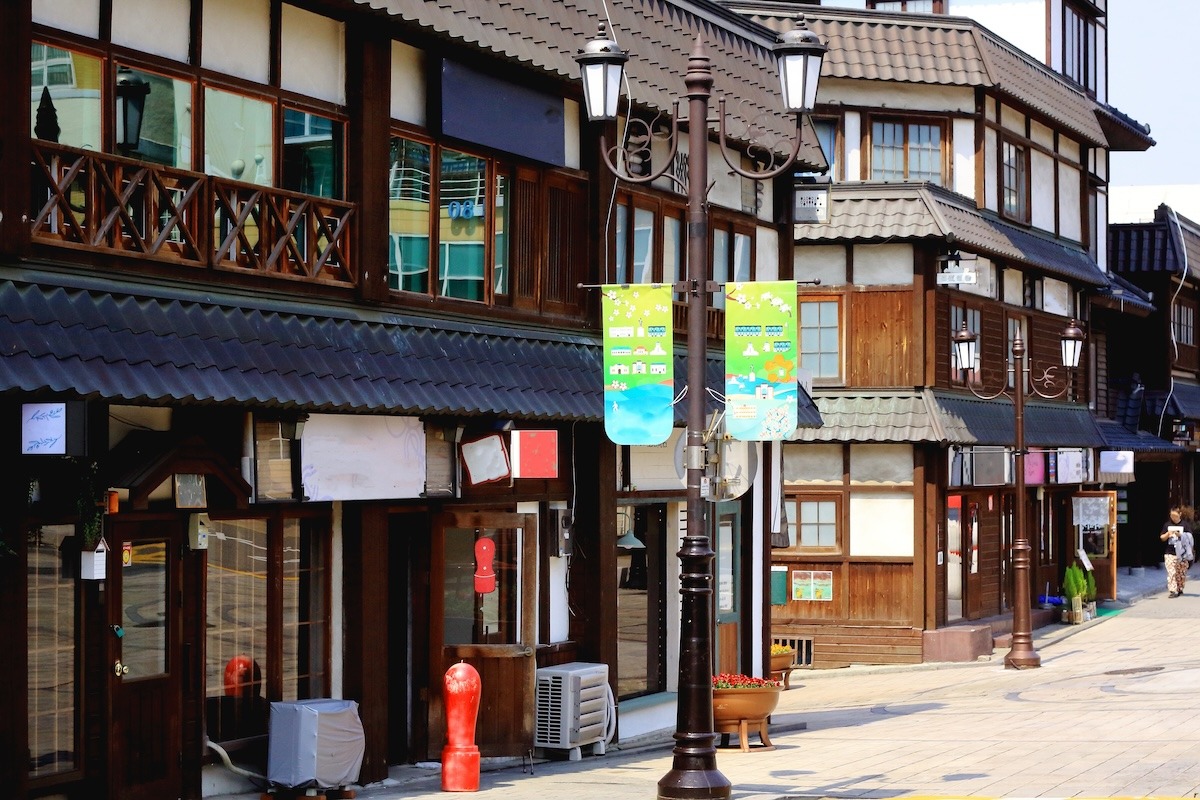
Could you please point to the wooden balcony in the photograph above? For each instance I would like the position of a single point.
(99, 202)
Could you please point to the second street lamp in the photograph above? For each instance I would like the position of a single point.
(694, 772)
(1022, 654)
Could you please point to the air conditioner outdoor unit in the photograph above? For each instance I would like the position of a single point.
(572, 707)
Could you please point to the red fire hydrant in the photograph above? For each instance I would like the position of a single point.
(461, 688)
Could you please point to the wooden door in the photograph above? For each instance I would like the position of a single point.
(145, 620)
(727, 588)
(483, 593)
(1094, 531)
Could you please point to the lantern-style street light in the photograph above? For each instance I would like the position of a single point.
(1021, 655)
(694, 772)
(131, 102)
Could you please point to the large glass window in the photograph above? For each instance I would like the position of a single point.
(239, 137)
(1079, 47)
(50, 651)
(811, 524)
(260, 571)
(462, 209)
(1014, 181)
(906, 151)
(910, 6)
(640, 540)
(65, 97)
(820, 339)
(478, 617)
(166, 131)
(312, 153)
(409, 198)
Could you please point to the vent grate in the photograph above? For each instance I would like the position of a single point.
(803, 645)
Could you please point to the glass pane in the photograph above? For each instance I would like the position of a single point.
(481, 612)
(408, 216)
(50, 650)
(166, 132)
(673, 251)
(925, 153)
(887, 151)
(238, 137)
(741, 257)
(71, 113)
(643, 246)
(236, 638)
(620, 246)
(641, 611)
(144, 611)
(500, 277)
(462, 199)
(720, 264)
(312, 154)
(304, 632)
(726, 567)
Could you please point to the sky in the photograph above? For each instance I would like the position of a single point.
(1154, 77)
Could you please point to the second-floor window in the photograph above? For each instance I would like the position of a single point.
(1014, 181)
(960, 313)
(821, 339)
(448, 222)
(1183, 324)
(911, 6)
(906, 151)
(1079, 47)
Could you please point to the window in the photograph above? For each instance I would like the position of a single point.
(472, 198)
(812, 524)
(820, 339)
(238, 137)
(50, 651)
(261, 570)
(827, 137)
(731, 258)
(1079, 47)
(641, 600)
(654, 248)
(958, 314)
(312, 154)
(72, 111)
(906, 151)
(1183, 324)
(911, 6)
(1014, 181)
(1016, 326)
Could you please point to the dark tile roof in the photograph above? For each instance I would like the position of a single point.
(872, 416)
(969, 420)
(1123, 296)
(1118, 437)
(936, 49)
(1183, 400)
(891, 212)
(658, 35)
(1170, 243)
(190, 347)
(1123, 132)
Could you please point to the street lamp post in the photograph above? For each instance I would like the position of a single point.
(694, 773)
(1022, 654)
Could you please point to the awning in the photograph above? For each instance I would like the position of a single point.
(1183, 400)
(873, 416)
(149, 344)
(1118, 437)
(971, 421)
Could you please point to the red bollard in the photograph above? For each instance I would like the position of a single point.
(461, 688)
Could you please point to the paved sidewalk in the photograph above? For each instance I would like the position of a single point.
(1114, 710)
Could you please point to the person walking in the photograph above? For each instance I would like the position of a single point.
(1178, 550)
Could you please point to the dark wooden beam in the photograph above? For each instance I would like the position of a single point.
(368, 100)
(15, 21)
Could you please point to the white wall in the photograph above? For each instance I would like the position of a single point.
(883, 264)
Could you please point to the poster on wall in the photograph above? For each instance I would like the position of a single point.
(760, 360)
(812, 585)
(639, 374)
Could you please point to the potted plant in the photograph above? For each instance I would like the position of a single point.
(1073, 587)
(743, 697)
(93, 550)
(782, 657)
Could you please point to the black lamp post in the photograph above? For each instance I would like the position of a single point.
(1021, 655)
(131, 102)
(694, 772)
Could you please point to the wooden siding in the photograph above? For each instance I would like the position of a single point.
(863, 591)
(843, 645)
(879, 338)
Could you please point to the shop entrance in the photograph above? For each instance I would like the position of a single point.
(483, 587)
(144, 668)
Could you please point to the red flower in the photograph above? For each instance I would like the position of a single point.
(727, 680)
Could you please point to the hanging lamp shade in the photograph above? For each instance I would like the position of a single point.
(601, 65)
(799, 53)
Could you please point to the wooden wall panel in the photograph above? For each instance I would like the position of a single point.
(879, 338)
(989, 556)
(843, 645)
(881, 592)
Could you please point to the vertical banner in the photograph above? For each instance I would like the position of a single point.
(760, 360)
(639, 374)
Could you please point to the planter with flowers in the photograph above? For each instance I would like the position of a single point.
(742, 703)
(782, 657)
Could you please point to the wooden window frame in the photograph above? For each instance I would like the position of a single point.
(973, 312)
(835, 495)
(939, 6)
(1014, 179)
(1080, 41)
(1183, 324)
(840, 301)
(906, 123)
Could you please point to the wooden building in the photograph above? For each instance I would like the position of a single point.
(282, 285)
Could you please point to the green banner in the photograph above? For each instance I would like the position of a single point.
(760, 360)
(639, 374)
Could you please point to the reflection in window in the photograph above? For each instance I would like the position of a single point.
(50, 650)
(640, 540)
(238, 137)
(408, 216)
(144, 589)
(312, 154)
(72, 116)
(304, 635)
(166, 131)
(462, 198)
(500, 271)
(720, 262)
(489, 616)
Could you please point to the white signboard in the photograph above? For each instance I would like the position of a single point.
(957, 277)
(347, 457)
(44, 429)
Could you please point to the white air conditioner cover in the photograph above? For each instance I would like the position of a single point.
(315, 743)
(572, 705)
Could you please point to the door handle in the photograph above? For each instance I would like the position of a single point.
(120, 669)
